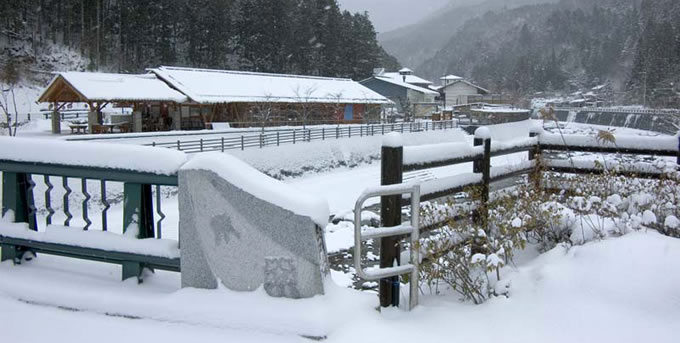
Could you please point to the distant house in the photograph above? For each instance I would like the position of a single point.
(410, 93)
(457, 91)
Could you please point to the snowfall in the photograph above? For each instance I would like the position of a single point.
(616, 289)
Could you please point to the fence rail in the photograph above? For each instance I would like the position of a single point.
(296, 136)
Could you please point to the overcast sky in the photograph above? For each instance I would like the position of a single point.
(388, 15)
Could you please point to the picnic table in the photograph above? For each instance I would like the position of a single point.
(78, 128)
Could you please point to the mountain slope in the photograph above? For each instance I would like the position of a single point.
(573, 44)
(414, 44)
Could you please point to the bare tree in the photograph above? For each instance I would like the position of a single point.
(304, 97)
(263, 110)
(8, 80)
(406, 108)
(337, 105)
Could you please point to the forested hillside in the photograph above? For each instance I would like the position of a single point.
(289, 36)
(633, 45)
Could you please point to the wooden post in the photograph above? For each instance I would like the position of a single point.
(536, 176)
(392, 168)
(137, 216)
(56, 122)
(483, 166)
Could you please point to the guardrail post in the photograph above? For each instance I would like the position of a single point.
(17, 197)
(137, 221)
(261, 140)
(323, 133)
(242, 145)
(294, 136)
(391, 171)
(349, 132)
(278, 140)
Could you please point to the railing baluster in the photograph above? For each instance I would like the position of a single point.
(161, 215)
(107, 205)
(68, 214)
(31, 203)
(48, 200)
(83, 188)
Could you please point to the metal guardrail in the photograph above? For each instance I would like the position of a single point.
(295, 136)
(141, 199)
(413, 229)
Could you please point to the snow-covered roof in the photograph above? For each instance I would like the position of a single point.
(89, 86)
(450, 78)
(453, 82)
(207, 86)
(409, 78)
(495, 109)
(399, 82)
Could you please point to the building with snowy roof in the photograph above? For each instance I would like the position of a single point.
(410, 93)
(97, 90)
(456, 90)
(189, 98)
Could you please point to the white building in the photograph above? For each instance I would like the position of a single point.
(458, 91)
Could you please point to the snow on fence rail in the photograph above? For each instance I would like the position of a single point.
(295, 136)
(72, 179)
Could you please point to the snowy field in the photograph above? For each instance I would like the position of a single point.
(621, 288)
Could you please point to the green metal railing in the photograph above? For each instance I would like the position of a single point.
(20, 185)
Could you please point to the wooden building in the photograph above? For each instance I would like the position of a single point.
(144, 93)
(187, 98)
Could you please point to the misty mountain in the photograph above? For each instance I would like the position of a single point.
(633, 45)
(414, 44)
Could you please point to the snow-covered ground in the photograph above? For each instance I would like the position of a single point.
(617, 289)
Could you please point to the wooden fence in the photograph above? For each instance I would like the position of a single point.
(396, 160)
